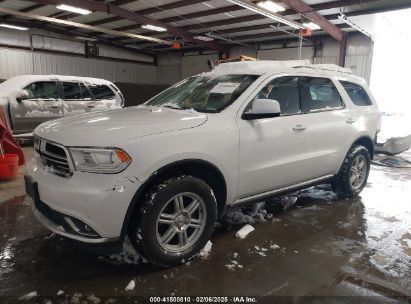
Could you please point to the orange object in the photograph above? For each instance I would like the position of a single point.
(306, 32)
(7, 143)
(176, 45)
(9, 166)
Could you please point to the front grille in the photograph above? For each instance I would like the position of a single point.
(53, 157)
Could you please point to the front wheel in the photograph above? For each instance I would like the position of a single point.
(175, 221)
(353, 174)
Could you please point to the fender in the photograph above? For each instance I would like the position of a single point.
(157, 174)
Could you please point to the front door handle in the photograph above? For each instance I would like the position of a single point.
(54, 106)
(299, 128)
(351, 120)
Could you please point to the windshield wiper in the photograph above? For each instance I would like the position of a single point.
(176, 107)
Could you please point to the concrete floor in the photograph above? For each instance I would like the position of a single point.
(327, 247)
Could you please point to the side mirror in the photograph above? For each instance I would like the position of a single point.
(263, 108)
(21, 95)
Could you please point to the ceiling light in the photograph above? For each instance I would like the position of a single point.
(344, 18)
(203, 38)
(271, 6)
(312, 26)
(153, 28)
(73, 9)
(14, 27)
(262, 11)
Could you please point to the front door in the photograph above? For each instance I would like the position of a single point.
(272, 153)
(42, 104)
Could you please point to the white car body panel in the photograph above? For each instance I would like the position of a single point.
(255, 157)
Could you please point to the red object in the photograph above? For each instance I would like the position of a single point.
(176, 45)
(306, 32)
(7, 141)
(9, 166)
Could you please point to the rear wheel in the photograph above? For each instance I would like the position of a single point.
(353, 174)
(175, 222)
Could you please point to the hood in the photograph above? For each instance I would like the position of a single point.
(107, 128)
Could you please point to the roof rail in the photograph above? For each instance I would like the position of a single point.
(327, 67)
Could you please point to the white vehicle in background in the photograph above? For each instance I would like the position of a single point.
(162, 173)
(29, 100)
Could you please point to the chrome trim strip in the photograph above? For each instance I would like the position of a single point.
(278, 190)
(53, 160)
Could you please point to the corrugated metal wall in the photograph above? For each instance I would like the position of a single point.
(17, 62)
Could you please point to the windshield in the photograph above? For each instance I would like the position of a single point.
(205, 93)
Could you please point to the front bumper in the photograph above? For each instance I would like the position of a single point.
(65, 205)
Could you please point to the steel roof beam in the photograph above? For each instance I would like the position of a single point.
(135, 17)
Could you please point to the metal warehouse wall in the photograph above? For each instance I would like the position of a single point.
(175, 66)
(17, 62)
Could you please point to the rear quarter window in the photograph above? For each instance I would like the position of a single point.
(357, 94)
(102, 92)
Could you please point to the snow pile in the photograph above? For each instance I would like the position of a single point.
(255, 214)
(243, 232)
(93, 299)
(205, 252)
(321, 192)
(233, 265)
(28, 296)
(128, 256)
(130, 286)
(60, 292)
(262, 251)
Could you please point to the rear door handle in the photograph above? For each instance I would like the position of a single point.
(351, 120)
(54, 106)
(299, 128)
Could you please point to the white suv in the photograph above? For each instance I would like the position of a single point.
(162, 173)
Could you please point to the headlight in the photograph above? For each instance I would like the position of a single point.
(100, 160)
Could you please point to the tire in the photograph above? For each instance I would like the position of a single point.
(185, 225)
(343, 183)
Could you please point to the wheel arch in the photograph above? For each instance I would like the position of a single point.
(367, 142)
(196, 167)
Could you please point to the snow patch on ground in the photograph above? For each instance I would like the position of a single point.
(205, 252)
(128, 256)
(243, 232)
(130, 286)
(28, 296)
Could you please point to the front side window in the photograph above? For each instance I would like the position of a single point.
(357, 94)
(102, 92)
(208, 93)
(42, 90)
(284, 90)
(319, 94)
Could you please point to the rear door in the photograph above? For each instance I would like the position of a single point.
(330, 125)
(77, 98)
(42, 105)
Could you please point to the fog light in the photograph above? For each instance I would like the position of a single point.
(80, 227)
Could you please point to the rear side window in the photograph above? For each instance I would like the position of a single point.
(101, 92)
(42, 90)
(319, 94)
(357, 94)
(72, 90)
